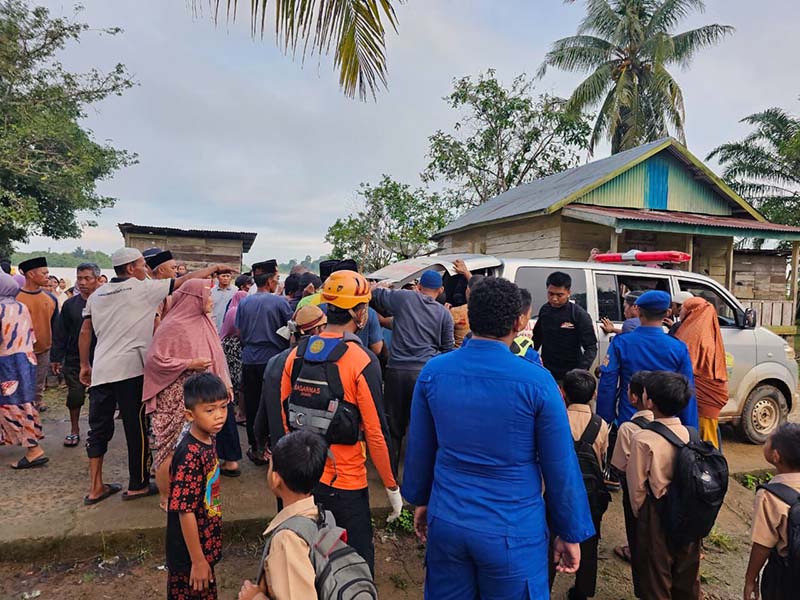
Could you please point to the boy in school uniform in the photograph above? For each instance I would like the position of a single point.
(664, 572)
(619, 462)
(194, 516)
(298, 460)
(578, 388)
(770, 532)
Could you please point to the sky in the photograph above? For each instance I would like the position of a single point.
(233, 135)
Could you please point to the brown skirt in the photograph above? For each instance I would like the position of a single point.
(168, 419)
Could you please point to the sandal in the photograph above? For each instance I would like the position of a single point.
(623, 552)
(151, 491)
(24, 463)
(72, 440)
(255, 458)
(230, 472)
(111, 489)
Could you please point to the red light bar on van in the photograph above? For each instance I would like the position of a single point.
(665, 256)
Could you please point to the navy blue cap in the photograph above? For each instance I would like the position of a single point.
(431, 280)
(654, 300)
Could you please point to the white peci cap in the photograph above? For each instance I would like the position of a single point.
(681, 297)
(123, 256)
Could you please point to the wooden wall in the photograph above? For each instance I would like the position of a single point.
(578, 238)
(710, 257)
(759, 276)
(197, 253)
(538, 237)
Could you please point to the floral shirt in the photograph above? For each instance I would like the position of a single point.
(194, 487)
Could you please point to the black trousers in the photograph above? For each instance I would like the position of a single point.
(104, 400)
(252, 380)
(398, 392)
(350, 508)
(630, 530)
(228, 447)
(586, 576)
(776, 580)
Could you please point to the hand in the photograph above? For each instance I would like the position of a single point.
(309, 290)
(751, 589)
(249, 590)
(421, 523)
(606, 325)
(226, 269)
(461, 268)
(668, 322)
(85, 376)
(55, 368)
(199, 364)
(396, 500)
(200, 576)
(566, 555)
(448, 306)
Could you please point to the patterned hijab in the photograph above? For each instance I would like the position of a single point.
(8, 288)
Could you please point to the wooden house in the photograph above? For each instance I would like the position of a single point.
(655, 197)
(197, 248)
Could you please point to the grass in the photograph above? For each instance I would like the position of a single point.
(753, 479)
(399, 582)
(720, 540)
(403, 524)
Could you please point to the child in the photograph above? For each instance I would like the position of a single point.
(619, 462)
(194, 518)
(770, 528)
(298, 460)
(579, 387)
(663, 571)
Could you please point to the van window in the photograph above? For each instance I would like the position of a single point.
(725, 312)
(534, 280)
(612, 289)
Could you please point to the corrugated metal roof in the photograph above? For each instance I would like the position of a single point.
(613, 215)
(546, 193)
(247, 237)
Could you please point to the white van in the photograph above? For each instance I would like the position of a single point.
(762, 371)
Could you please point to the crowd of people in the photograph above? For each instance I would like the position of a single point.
(507, 463)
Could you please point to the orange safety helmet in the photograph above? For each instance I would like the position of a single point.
(346, 289)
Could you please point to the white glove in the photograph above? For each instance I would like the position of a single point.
(396, 500)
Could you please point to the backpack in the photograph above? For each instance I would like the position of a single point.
(700, 480)
(316, 402)
(593, 479)
(341, 573)
(790, 564)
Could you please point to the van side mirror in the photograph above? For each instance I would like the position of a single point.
(749, 318)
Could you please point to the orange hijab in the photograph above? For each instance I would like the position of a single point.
(700, 331)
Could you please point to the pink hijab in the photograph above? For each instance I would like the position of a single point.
(229, 322)
(186, 333)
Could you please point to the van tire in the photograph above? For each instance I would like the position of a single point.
(764, 411)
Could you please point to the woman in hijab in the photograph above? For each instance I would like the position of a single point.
(232, 347)
(700, 331)
(186, 341)
(19, 419)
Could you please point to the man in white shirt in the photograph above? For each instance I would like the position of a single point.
(121, 315)
(221, 294)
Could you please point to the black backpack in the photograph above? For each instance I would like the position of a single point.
(317, 402)
(593, 478)
(699, 482)
(789, 564)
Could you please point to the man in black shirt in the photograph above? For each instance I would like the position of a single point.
(64, 355)
(564, 330)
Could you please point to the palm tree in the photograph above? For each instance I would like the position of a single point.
(765, 166)
(627, 45)
(354, 29)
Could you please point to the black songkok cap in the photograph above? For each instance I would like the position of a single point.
(32, 263)
(155, 260)
(348, 264)
(267, 267)
(326, 268)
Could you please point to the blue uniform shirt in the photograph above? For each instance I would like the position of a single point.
(258, 318)
(485, 427)
(372, 332)
(643, 349)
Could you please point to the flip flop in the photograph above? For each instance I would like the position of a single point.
(623, 552)
(255, 458)
(24, 463)
(111, 489)
(72, 440)
(230, 472)
(151, 491)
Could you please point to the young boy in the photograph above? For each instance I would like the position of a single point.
(663, 571)
(194, 518)
(579, 387)
(770, 518)
(298, 460)
(619, 462)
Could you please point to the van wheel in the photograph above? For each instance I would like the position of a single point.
(763, 412)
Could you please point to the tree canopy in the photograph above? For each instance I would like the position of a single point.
(626, 47)
(67, 259)
(49, 163)
(505, 137)
(391, 222)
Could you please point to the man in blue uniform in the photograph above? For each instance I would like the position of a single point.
(486, 427)
(646, 348)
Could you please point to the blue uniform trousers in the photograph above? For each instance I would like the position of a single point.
(464, 565)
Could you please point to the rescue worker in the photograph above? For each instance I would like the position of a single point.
(356, 423)
(479, 504)
(646, 348)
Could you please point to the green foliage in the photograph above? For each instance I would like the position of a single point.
(307, 262)
(49, 163)
(764, 167)
(720, 540)
(403, 524)
(392, 222)
(67, 259)
(506, 137)
(626, 47)
(752, 480)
